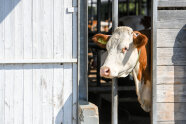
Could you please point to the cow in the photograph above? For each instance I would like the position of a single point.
(127, 55)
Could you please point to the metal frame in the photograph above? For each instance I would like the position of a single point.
(154, 60)
(114, 81)
(83, 49)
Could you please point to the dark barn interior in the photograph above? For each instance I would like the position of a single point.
(137, 15)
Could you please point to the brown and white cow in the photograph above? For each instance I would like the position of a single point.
(126, 55)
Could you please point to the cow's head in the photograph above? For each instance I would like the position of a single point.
(122, 48)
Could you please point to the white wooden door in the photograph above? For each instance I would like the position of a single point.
(38, 62)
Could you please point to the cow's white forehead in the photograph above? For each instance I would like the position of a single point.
(123, 29)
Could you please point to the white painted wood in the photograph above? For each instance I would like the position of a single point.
(68, 94)
(58, 28)
(58, 94)
(37, 61)
(18, 94)
(37, 95)
(67, 31)
(47, 94)
(9, 94)
(2, 94)
(9, 29)
(2, 29)
(75, 94)
(18, 41)
(28, 28)
(46, 25)
(37, 28)
(28, 93)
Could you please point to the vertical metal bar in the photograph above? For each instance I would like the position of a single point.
(154, 62)
(148, 7)
(114, 101)
(83, 49)
(109, 13)
(98, 15)
(91, 14)
(127, 7)
(114, 81)
(139, 7)
(98, 67)
(114, 14)
(135, 7)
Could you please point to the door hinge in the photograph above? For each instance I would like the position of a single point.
(72, 9)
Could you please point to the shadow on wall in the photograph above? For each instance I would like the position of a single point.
(179, 85)
(64, 115)
(6, 7)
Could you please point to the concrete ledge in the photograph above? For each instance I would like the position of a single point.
(88, 113)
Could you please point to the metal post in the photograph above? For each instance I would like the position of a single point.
(114, 14)
(114, 80)
(115, 101)
(83, 50)
(98, 15)
(127, 7)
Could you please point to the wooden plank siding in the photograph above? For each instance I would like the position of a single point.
(171, 63)
(40, 93)
(171, 3)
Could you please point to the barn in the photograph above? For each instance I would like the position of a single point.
(44, 58)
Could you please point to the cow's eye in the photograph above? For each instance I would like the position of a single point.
(124, 49)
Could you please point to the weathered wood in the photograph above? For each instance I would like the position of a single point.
(18, 94)
(2, 28)
(18, 31)
(171, 3)
(67, 45)
(37, 95)
(171, 15)
(171, 111)
(171, 24)
(171, 74)
(28, 93)
(171, 19)
(9, 94)
(68, 94)
(172, 122)
(27, 27)
(58, 28)
(171, 37)
(46, 25)
(154, 60)
(58, 94)
(171, 93)
(2, 94)
(171, 56)
(47, 94)
(9, 30)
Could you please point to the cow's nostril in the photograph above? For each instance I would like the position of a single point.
(107, 70)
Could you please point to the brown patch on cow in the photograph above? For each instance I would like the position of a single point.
(102, 37)
(140, 40)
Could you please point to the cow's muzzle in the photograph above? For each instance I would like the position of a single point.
(105, 71)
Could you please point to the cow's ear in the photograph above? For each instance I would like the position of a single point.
(101, 40)
(139, 39)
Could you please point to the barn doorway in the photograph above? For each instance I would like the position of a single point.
(137, 15)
